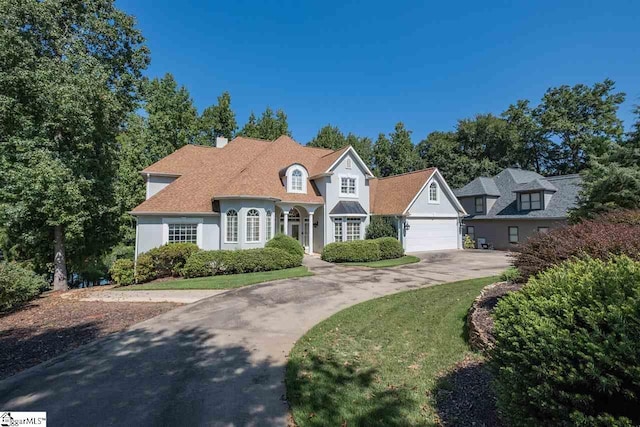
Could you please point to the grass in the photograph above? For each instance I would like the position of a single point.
(229, 281)
(377, 363)
(385, 263)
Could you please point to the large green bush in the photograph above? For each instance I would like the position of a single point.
(381, 226)
(145, 269)
(122, 272)
(288, 243)
(18, 285)
(208, 263)
(567, 346)
(390, 248)
(354, 251)
(169, 259)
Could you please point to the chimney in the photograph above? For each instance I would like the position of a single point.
(221, 141)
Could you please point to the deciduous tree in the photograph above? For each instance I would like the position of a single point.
(217, 120)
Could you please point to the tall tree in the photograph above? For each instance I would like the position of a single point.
(403, 154)
(269, 126)
(488, 137)
(70, 74)
(217, 120)
(582, 120)
(363, 147)
(382, 162)
(328, 137)
(531, 149)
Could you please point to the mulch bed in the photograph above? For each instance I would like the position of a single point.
(52, 325)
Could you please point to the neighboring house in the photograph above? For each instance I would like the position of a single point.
(238, 195)
(513, 205)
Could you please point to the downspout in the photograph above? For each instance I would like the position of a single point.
(135, 256)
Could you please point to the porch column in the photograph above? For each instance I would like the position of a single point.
(286, 222)
(310, 232)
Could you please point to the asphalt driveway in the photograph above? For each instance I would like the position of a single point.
(219, 361)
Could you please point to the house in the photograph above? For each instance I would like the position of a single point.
(513, 205)
(239, 194)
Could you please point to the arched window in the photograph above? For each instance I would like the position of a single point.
(253, 226)
(296, 180)
(231, 235)
(433, 192)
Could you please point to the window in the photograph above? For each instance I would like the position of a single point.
(348, 163)
(543, 230)
(231, 235)
(433, 192)
(479, 204)
(471, 232)
(513, 235)
(530, 201)
(269, 225)
(296, 180)
(253, 226)
(337, 229)
(353, 229)
(347, 186)
(181, 233)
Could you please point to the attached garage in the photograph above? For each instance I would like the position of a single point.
(430, 234)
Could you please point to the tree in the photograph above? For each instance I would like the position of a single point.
(269, 126)
(363, 147)
(531, 149)
(582, 120)
(70, 74)
(488, 137)
(403, 153)
(328, 137)
(217, 120)
(382, 162)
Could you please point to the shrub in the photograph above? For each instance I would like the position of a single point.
(118, 252)
(380, 226)
(122, 272)
(169, 259)
(390, 248)
(18, 285)
(288, 243)
(354, 251)
(594, 238)
(567, 346)
(468, 243)
(145, 269)
(510, 275)
(209, 263)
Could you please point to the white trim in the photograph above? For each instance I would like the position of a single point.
(437, 199)
(453, 197)
(175, 175)
(148, 187)
(349, 215)
(173, 213)
(182, 220)
(356, 189)
(362, 163)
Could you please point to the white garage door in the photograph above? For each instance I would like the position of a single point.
(426, 234)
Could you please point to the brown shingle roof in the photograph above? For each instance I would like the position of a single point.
(392, 195)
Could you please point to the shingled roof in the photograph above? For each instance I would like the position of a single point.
(392, 195)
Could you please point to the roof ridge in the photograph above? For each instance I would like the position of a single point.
(408, 173)
(555, 177)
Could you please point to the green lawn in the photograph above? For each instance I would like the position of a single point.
(385, 263)
(229, 281)
(376, 363)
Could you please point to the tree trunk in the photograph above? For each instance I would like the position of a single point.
(59, 263)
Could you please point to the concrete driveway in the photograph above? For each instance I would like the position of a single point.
(219, 361)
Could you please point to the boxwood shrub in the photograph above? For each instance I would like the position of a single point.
(209, 263)
(18, 285)
(390, 248)
(288, 243)
(567, 348)
(122, 272)
(354, 251)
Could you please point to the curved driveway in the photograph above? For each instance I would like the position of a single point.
(219, 361)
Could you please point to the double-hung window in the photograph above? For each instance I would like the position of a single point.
(348, 186)
(269, 225)
(183, 233)
(296, 180)
(479, 204)
(231, 232)
(530, 201)
(513, 235)
(353, 229)
(337, 229)
(433, 192)
(253, 226)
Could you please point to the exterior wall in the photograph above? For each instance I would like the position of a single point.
(469, 204)
(243, 206)
(157, 183)
(444, 208)
(152, 231)
(496, 232)
(329, 187)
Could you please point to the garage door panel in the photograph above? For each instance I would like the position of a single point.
(427, 234)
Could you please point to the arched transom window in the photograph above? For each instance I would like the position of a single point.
(231, 234)
(253, 225)
(296, 180)
(433, 192)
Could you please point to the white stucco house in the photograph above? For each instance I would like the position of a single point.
(239, 194)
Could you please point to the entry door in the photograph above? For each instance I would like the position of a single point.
(295, 231)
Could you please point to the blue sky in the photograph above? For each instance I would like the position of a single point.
(364, 66)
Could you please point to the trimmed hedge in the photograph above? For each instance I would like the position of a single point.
(122, 272)
(363, 250)
(567, 346)
(390, 248)
(617, 233)
(288, 243)
(18, 285)
(210, 263)
(164, 261)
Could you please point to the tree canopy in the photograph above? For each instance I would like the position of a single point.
(269, 126)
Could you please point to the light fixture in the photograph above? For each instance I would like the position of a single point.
(315, 224)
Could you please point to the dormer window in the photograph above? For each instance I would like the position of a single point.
(479, 201)
(434, 196)
(530, 201)
(296, 180)
(296, 177)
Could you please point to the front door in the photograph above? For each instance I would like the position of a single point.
(295, 231)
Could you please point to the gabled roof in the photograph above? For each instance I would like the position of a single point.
(511, 181)
(392, 195)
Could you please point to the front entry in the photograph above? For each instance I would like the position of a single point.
(294, 231)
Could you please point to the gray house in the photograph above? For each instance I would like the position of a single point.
(239, 194)
(508, 208)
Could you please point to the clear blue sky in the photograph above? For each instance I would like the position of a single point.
(364, 66)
